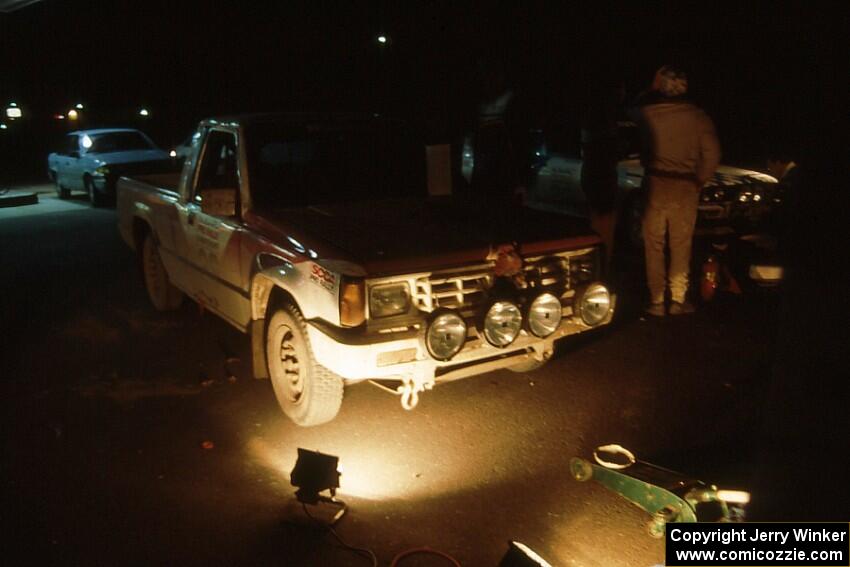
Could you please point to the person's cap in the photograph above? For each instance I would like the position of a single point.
(670, 81)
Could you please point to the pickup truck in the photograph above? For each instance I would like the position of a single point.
(318, 237)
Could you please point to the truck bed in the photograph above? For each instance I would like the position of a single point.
(167, 182)
(141, 195)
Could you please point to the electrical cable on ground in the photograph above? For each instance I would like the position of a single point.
(362, 551)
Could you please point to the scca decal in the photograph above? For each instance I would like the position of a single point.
(322, 277)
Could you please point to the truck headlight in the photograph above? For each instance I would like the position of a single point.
(593, 304)
(102, 170)
(544, 315)
(445, 335)
(386, 300)
(502, 323)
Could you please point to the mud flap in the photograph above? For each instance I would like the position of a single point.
(258, 349)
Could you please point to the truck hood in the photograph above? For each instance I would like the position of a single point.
(725, 176)
(132, 156)
(410, 235)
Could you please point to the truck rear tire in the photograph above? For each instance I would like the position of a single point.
(162, 293)
(308, 393)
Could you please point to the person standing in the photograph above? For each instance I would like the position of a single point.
(679, 153)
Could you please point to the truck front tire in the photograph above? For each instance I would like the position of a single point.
(308, 393)
(162, 293)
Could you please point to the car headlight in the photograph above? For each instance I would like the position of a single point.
(544, 315)
(386, 300)
(594, 304)
(445, 335)
(502, 323)
(102, 170)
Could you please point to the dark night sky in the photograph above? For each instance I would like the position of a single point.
(758, 71)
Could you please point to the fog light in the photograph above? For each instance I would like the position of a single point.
(594, 304)
(502, 323)
(544, 315)
(445, 335)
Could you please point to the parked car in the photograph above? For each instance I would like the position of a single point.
(733, 201)
(317, 237)
(93, 160)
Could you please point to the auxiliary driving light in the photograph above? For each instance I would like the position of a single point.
(593, 304)
(502, 323)
(445, 335)
(544, 315)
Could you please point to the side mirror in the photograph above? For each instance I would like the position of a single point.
(218, 202)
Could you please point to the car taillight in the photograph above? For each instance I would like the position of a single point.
(352, 302)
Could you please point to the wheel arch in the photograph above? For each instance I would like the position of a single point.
(272, 284)
(140, 228)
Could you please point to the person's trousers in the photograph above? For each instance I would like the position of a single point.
(671, 210)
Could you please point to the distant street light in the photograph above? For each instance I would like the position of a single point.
(383, 40)
(73, 114)
(3, 127)
(13, 112)
(79, 106)
(59, 117)
(144, 112)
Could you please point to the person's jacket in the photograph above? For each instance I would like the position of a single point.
(678, 137)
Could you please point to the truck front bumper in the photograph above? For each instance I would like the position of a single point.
(408, 358)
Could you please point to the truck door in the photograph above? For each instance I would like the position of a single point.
(213, 238)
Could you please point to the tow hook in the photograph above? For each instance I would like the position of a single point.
(409, 392)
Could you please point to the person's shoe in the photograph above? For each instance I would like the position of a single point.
(682, 308)
(655, 309)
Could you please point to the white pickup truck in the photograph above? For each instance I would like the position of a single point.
(316, 236)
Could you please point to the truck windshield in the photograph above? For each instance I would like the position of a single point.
(319, 165)
(118, 142)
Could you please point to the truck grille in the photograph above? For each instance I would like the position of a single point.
(467, 289)
(454, 290)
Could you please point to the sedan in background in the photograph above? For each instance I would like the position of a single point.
(93, 160)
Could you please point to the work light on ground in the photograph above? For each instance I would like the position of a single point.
(520, 555)
(313, 474)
